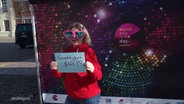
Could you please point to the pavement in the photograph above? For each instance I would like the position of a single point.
(11, 65)
(19, 68)
(6, 39)
(18, 74)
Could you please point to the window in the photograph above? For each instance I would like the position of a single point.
(27, 20)
(7, 25)
(4, 4)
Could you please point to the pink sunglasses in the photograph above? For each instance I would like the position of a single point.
(78, 34)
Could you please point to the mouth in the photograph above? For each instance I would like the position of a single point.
(74, 40)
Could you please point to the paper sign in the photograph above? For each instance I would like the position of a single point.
(70, 62)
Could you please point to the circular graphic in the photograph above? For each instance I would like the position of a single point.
(127, 37)
(55, 97)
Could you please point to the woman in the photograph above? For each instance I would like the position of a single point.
(81, 87)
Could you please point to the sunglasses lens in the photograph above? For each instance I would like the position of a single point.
(79, 35)
(68, 34)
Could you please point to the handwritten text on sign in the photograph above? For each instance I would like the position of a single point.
(70, 62)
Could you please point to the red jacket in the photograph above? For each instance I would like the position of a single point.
(82, 85)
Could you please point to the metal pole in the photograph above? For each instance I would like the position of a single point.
(31, 8)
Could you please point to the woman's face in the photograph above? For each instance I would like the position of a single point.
(74, 40)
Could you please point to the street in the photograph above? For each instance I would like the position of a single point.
(18, 73)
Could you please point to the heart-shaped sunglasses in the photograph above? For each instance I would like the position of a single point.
(78, 34)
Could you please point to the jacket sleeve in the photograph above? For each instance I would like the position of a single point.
(57, 74)
(92, 57)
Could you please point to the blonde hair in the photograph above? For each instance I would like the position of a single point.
(81, 27)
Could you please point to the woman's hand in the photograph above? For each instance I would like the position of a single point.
(53, 65)
(89, 66)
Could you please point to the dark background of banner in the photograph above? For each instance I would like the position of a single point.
(127, 72)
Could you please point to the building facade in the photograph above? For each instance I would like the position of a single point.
(13, 12)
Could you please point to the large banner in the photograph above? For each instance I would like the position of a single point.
(139, 44)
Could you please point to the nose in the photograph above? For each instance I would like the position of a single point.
(73, 35)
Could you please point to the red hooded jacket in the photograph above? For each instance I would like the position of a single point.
(82, 85)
